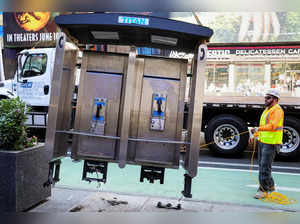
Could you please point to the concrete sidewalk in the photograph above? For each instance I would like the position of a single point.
(65, 199)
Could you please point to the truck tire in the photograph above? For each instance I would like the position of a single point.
(224, 130)
(290, 148)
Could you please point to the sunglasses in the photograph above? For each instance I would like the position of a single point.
(268, 97)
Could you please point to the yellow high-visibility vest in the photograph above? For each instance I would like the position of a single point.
(270, 137)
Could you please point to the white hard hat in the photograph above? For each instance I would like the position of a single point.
(273, 92)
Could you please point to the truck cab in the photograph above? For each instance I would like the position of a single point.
(32, 83)
(33, 77)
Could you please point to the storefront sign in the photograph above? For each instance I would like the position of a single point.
(253, 51)
(29, 29)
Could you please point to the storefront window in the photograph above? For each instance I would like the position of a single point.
(209, 77)
(216, 78)
(277, 70)
(240, 77)
(249, 79)
(285, 76)
(222, 77)
(292, 78)
(252, 78)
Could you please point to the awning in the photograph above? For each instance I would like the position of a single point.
(133, 29)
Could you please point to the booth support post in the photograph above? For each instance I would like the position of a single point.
(55, 93)
(128, 88)
(195, 111)
(60, 106)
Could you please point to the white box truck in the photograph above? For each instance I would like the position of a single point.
(32, 83)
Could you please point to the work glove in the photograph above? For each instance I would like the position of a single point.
(253, 130)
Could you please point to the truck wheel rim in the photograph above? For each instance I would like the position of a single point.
(291, 140)
(226, 136)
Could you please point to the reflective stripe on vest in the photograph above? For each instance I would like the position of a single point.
(270, 137)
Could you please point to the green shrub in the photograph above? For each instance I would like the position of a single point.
(13, 134)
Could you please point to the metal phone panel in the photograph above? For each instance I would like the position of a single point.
(158, 154)
(99, 86)
(158, 67)
(64, 111)
(105, 62)
(62, 87)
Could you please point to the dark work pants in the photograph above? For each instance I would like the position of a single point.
(266, 154)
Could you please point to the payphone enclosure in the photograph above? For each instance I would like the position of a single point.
(156, 107)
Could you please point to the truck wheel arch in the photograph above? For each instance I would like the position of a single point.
(224, 130)
(2, 97)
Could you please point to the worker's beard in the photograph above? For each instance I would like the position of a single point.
(268, 103)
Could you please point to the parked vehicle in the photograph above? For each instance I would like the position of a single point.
(224, 118)
(32, 83)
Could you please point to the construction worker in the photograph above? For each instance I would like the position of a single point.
(269, 134)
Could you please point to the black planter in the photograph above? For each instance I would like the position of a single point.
(22, 178)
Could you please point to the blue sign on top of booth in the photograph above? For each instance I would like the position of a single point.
(133, 20)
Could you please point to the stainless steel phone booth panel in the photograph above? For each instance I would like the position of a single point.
(155, 109)
(161, 85)
(98, 106)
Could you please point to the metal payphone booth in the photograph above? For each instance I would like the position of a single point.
(151, 116)
(130, 108)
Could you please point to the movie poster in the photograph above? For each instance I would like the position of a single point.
(29, 29)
